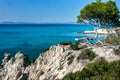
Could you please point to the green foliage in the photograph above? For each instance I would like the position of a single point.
(117, 51)
(113, 41)
(75, 46)
(100, 70)
(66, 43)
(91, 55)
(105, 12)
(80, 20)
(86, 54)
(98, 0)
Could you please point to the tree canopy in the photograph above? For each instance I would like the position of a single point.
(102, 12)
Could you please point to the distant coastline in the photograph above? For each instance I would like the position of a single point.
(38, 24)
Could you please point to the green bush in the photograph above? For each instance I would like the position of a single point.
(75, 46)
(86, 54)
(66, 43)
(99, 70)
(113, 41)
(72, 46)
(91, 55)
(117, 51)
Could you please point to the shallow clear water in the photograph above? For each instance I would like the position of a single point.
(32, 40)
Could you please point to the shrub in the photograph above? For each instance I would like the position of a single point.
(99, 70)
(66, 43)
(74, 46)
(87, 54)
(113, 41)
(117, 51)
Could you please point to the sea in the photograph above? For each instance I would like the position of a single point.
(32, 40)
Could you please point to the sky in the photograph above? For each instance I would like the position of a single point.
(42, 10)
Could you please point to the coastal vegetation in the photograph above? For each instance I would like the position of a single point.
(74, 46)
(86, 54)
(66, 43)
(112, 41)
(85, 59)
(103, 13)
(99, 70)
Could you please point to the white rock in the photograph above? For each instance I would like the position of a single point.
(53, 64)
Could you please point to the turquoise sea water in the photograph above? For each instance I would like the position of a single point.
(32, 40)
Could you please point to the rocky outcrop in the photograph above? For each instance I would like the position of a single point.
(101, 31)
(53, 64)
(14, 68)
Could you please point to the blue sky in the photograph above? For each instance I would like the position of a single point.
(42, 10)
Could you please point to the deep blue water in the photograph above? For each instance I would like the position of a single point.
(32, 40)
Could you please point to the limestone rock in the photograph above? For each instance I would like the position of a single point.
(14, 68)
(53, 64)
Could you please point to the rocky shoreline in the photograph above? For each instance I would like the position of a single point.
(55, 63)
(58, 60)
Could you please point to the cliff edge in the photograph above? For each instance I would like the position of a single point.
(56, 62)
